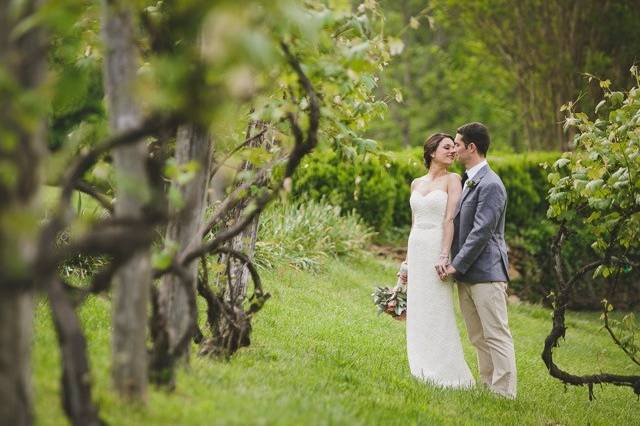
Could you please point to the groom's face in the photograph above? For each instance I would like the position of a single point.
(462, 151)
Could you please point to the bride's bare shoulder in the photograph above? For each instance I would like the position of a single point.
(453, 181)
(415, 182)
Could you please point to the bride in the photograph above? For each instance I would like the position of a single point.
(433, 340)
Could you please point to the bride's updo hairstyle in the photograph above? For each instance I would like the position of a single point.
(431, 145)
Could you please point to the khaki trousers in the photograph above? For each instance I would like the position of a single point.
(484, 308)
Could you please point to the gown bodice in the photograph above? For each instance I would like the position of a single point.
(428, 210)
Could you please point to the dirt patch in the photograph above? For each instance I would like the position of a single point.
(398, 253)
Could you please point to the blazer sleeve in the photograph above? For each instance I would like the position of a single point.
(491, 204)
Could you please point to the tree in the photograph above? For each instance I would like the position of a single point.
(133, 279)
(547, 46)
(596, 187)
(22, 153)
(175, 299)
(336, 86)
(228, 322)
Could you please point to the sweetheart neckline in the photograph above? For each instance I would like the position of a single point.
(429, 193)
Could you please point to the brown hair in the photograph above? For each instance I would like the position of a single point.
(432, 144)
(477, 134)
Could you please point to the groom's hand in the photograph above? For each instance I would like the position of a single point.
(450, 270)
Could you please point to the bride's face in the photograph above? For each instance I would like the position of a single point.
(445, 153)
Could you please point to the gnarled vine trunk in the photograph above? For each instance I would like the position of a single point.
(132, 282)
(245, 242)
(229, 323)
(177, 297)
(22, 62)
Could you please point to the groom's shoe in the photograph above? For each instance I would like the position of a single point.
(494, 391)
(502, 394)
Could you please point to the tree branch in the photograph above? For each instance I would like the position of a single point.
(255, 276)
(607, 327)
(235, 150)
(85, 188)
(76, 384)
(303, 145)
(559, 328)
(229, 203)
(148, 127)
(118, 238)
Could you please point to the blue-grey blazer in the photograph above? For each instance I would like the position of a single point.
(478, 250)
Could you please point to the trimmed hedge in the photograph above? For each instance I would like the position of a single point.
(365, 187)
(380, 192)
(378, 189)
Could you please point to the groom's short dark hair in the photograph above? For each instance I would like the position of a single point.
(476, 133)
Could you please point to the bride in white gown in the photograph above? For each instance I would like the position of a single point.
(433, 340)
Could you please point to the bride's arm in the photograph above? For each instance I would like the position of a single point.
(413, 185)
(400, 274)
(454, 190)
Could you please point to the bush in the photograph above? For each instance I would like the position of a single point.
(364, 187)
(303, 234)
(379, 189)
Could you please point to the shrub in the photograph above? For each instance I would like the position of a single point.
(379, 189)
(364, 187)
(303, 234)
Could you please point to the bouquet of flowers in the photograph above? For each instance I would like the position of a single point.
(393, 301)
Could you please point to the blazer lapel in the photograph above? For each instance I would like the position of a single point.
(467, 190)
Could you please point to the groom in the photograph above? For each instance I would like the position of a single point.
(479, 261)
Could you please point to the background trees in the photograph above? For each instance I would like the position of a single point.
(509, 64)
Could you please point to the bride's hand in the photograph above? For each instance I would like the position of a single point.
(403, 274)
(441, 268)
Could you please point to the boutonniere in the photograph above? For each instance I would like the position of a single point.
(470, 183)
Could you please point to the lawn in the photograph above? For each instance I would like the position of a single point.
(320, 355)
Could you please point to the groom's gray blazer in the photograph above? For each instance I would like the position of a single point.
(479, 251)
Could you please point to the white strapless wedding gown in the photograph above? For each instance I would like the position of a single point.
(433, 340)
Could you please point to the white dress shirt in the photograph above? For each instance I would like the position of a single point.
(475, 169)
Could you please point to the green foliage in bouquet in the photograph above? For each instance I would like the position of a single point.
(390, 301)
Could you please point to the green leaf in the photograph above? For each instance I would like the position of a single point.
(616, 98)
(594, 184)
(163, 259)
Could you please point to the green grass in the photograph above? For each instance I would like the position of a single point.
(304, 234)
(320, 355)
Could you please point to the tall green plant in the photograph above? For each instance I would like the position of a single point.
(305, 234)
(596, 188)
